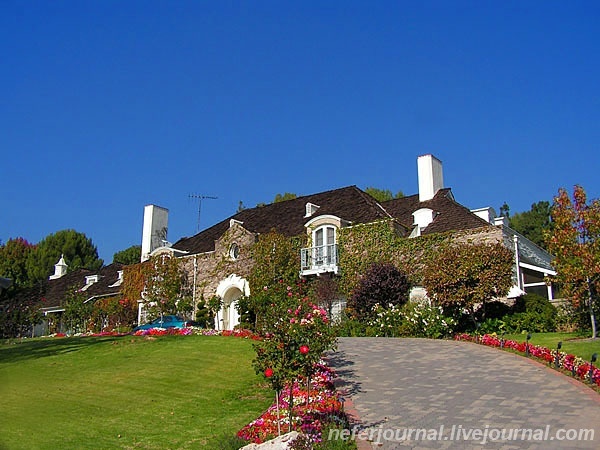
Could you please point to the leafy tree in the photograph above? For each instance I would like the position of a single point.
(131, 255)
(77, 312)
(13, 261)
(466, 275)
(78, 250)
(278, 198)
(575, 243)
(166, 290)
(284, 197)
(505, 210)
(113, 313)
(18, 315)
(533, 223)
(326, 292)
(383, 195)
(383, 284)
(208, 309)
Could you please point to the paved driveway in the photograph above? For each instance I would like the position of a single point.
(418, 393)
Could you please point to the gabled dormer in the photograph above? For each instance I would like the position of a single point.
(89, 280)
(311, 209)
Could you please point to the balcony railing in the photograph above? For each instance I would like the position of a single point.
(314, 260)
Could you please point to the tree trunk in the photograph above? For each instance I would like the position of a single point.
(591, 305)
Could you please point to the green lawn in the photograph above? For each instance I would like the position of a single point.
(170, 392)
(571, 342)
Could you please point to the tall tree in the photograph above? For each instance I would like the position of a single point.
(131, 255)
(467, 275)
(575, 243)
(78, 250)
(13, 261)
(533, 223)
(383, 195)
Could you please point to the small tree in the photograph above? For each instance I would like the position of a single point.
(165, 286)
(383, 284)
(296, 335)
(575, 243)
(326, 292)
(77, 312)
(467, 275)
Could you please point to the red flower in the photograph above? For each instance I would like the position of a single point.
(269, 372)
(304, 349)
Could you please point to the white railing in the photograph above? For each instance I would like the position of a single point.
(319, 259)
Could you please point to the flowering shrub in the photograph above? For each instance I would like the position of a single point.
(388, 321)
(423, 320)
(239, 333)
(310, 409)
(412, 319)
(296, 333)
(577, 366)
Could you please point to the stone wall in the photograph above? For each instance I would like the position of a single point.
(213, 267)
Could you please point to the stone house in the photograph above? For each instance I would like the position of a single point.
(218, 259)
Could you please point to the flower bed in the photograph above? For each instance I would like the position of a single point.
(244, 334)
(578, 367)
(311, 410)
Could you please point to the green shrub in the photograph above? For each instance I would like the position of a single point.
(349, 326)
(490, 326)
(532, 313)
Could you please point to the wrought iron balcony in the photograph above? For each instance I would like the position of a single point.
(322, 259)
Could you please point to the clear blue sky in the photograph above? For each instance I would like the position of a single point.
(106, 106)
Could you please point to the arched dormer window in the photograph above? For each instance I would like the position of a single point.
(324, 244)
(322, 255)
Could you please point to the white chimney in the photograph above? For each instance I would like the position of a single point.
(431, 178)
(154, 232)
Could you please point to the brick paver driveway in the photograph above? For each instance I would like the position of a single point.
(418, 393)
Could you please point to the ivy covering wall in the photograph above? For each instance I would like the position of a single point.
(384, 242)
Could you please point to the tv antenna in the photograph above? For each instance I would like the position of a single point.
(199, 198)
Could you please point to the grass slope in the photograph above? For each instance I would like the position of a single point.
(171, 392)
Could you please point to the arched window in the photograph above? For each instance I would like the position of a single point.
(324, 251)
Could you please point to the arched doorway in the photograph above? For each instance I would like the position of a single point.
(230, 315)
(230, 290)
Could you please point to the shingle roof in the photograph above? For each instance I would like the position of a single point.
(449, 215)
(287, 217)
(52, 292)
